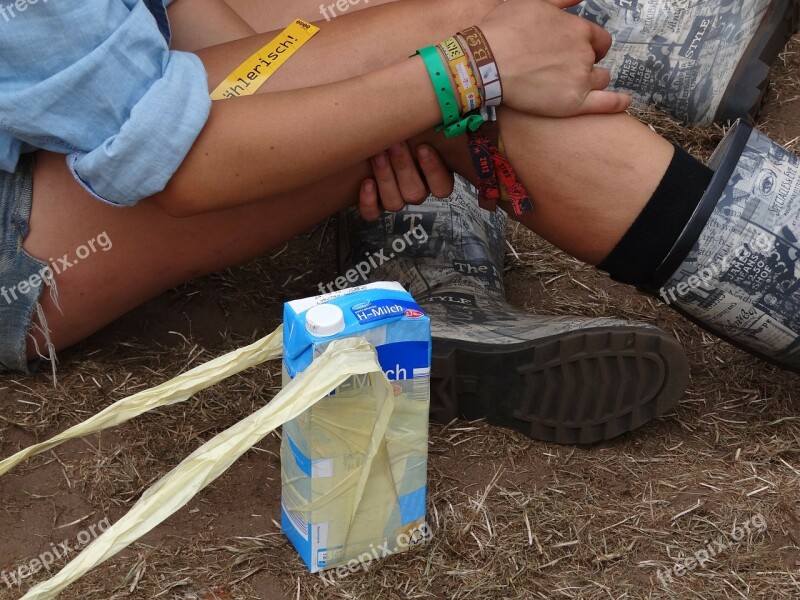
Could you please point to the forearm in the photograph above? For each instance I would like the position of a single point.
(356, 43)
(256, 147)
(266, 16)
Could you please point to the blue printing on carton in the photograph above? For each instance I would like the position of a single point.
(301, 544)
(380, 310)
(376, 307)
(301, 459)
(413, 505)
(403, 359)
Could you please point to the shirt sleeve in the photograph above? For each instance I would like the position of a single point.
(110, 95)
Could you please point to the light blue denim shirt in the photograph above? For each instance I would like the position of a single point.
(95, 80)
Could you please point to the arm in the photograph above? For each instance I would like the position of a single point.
(133, 116)
(256, 147)
(274, 143)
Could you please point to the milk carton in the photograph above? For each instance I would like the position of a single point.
(335, 510)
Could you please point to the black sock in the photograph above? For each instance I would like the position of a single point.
(650, 239)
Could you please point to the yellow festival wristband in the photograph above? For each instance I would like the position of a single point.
(254, 72)
(463, 74)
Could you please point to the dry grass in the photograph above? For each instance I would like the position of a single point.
(512, 518)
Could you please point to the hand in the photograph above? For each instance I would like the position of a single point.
(547, 57)
(398, 182)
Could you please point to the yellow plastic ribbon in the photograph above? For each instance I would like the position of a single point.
(343, 359)
(174, 391)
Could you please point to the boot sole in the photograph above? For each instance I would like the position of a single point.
(576, 388)
(745, 94)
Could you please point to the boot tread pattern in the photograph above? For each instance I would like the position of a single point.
(578, 388)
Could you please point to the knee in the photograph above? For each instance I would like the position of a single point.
(187, 194)
(176, 204)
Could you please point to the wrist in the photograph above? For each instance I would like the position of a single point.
(465, 79)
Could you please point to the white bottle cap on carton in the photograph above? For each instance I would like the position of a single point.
(325, 320)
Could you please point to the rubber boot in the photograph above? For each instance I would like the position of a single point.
(699, 60)
(736, 268)
(557, 379)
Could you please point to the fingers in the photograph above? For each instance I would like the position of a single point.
(412, 189)
(440, 179)
(368, 202)
(398, 182)
(599, 100)
(600, 39)
(602, 102)
(388, 190)
(600, 78)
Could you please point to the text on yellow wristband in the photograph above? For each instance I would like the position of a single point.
(254, 72)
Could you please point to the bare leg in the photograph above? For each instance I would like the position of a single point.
(590, 177)
(574, 167)
(152, 252)
(579, 208)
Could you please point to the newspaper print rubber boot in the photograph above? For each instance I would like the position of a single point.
(736, 268)
(699, 60)
(556, 379)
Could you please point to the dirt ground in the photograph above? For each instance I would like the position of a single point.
(512, 518)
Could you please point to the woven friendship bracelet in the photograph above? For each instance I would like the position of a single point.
(497, 179)
(486, 65)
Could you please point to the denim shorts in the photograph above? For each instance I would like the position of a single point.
(19, 272)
